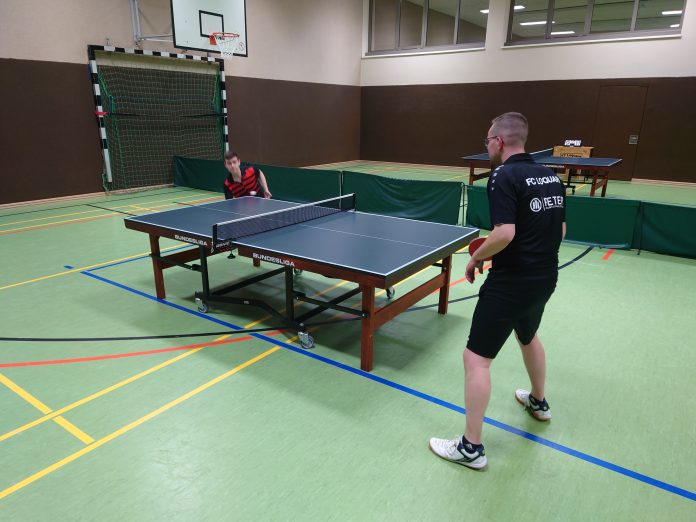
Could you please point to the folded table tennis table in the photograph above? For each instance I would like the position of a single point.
(327, 237)
(597, 168)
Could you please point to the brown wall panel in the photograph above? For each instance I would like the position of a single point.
(438, 124)
(49, 145)
(49, 141)
(666, 142)
(293, 123)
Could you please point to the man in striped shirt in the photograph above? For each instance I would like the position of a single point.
(243, 179)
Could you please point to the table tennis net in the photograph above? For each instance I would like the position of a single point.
(248, 226)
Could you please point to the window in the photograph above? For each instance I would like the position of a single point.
(407, 26)
(533, 21)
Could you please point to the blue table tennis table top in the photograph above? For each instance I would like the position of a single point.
(545, 157)
(369, 243)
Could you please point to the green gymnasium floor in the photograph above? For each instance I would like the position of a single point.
(207, 424)
(677, 194)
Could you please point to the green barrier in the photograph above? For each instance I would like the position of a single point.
(601, 221)
(199, 174)
(301, 185)
(597, 221)
(436, 201)
(286, 183)
(608, 222)
(667, 229)
(477, 212)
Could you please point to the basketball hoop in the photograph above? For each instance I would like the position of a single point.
(228, 43)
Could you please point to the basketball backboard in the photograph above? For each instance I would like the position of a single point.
(193, 21)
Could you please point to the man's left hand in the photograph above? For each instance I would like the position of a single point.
(471, 268)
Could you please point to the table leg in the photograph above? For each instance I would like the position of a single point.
(606, 182)
(289, 296)
(157, 266)
(444, 289)
(368, 327)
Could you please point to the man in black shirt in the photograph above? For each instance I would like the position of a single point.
(527, 209)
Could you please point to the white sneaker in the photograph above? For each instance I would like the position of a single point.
(464, 454)
(539, 409)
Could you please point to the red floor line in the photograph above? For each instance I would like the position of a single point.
(608, 254)
(129, 354)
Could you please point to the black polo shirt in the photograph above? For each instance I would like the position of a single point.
(533, 198)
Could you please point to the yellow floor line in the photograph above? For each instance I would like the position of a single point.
(103, 392)
(73, 270)
(52, 217)
(36, 403)
(157, 367)
(125, 429)
(45, 225)
(150, 208)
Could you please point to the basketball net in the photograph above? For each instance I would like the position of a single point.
(228, 43)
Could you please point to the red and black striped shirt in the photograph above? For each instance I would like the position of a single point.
(248, 183)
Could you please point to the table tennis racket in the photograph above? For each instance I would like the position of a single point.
(475, 245)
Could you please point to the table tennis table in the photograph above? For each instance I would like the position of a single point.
(336, 241)
(596, 168)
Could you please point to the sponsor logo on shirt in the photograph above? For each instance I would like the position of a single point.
(543, 180)
(546, 203)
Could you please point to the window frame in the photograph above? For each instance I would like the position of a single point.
(587, 36)
(422, 47)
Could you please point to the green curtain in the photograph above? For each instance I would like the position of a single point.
(437, 201)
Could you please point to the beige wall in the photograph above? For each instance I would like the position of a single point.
(316, 41)
(671, 57)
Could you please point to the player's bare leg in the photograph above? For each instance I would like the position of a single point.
(477, 392)
(534, 401)
(535, 361)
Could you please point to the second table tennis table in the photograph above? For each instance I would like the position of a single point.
(374, 251)
(597, 168)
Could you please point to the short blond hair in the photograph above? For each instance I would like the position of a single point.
(512, 126)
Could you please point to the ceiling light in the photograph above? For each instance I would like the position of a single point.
(671, 13)
(558, 33)
(541, 22)
(517, 8)
(674, 25)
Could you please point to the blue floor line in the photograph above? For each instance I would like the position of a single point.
(144, 256)
(506, 427)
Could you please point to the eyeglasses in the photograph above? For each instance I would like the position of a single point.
(487, 140)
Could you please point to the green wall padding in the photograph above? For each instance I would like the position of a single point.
(287, 183)
(436, 201)
(301, 185)
(601, 221)
(199, 174)
(597, 221)
(667, 229)
(618, 223)
(477, 213)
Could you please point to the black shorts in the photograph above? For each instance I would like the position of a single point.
(505, 305)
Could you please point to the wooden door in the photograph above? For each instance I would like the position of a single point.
(619, 118)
